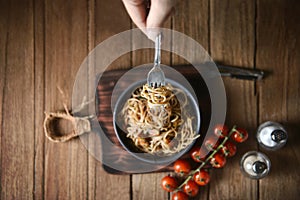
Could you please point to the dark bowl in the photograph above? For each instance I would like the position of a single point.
(129, 145)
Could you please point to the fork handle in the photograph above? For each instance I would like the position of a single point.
(157, 50)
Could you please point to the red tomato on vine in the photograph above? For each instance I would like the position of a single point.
(198, 154)
(229, 149)
(201, 178)
(218, 160)
(240, 135)
(191, 188)
(180, 196)
(182, 167)
(169, 183)
(221, 130)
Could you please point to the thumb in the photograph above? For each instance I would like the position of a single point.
(160, 11)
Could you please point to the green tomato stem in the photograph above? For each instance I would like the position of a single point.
(206, 160)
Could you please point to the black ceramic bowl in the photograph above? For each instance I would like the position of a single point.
(128, 144)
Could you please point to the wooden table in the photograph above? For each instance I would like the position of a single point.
(43, 43)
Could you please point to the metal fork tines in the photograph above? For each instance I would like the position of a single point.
(156, 76)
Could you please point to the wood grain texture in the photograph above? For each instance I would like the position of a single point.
(148, 186)
(232, 41)
(39, 98)
(43, 43)
(65, 49)
(106, 20)
(111, 19)
(17, 140)
(4, 5)
(192, 19)
(278, 53)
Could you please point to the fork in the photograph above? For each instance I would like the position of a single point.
(156, 76)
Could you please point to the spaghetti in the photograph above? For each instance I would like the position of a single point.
(157, 121)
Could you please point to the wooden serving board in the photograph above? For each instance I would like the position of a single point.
(105, 88)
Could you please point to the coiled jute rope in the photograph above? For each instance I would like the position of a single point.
(80, 125)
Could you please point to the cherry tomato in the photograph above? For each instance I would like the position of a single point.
(218, 160)
(182, 167)
(201, 178)
(240, 135)
(229, 149)
(211, 143)
(221, 130)
(191, 188)
(198, 154)
(169, 183)
(180, 196)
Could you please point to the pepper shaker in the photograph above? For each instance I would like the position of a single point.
(255, 165)
(271, 135)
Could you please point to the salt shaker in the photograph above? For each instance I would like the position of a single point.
(255, 165)
(271, 135)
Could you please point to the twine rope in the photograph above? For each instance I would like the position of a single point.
(80, 125)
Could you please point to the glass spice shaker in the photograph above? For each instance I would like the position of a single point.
(271, 135)
(255, 165)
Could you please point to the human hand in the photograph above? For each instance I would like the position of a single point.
(149, 22)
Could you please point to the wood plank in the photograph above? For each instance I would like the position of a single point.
(91, 44)
(147, 186)
(278, 53)
(111, 19)
(66, 25)
(232, 42)
(106, 20)
(17, 128)
(191, 18)
(4, 7)
(39, 100)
